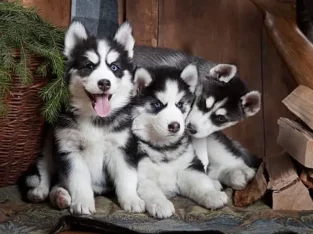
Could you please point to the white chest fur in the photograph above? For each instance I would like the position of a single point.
(99, 147)
(164, 174)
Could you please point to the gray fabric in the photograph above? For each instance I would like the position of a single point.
(19, 217)
(100, 17)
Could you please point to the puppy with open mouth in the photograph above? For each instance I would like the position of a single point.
(91, 143)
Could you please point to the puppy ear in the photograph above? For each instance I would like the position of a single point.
(223, 72)
(75, 34)
(142, 79)
(190, 76)
(251, 103)
(124, 36)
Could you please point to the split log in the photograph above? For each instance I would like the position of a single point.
(289, 193)
(281, 171)
(254, 191)
(296, 140)
(293, 198)
(300, 102)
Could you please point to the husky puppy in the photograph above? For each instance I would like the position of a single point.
(230, 161)
(224, 101)
(169, 165)
(92, 140)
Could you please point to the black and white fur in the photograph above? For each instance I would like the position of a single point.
(92, 141)
(169, 165)
(233, 169)
(224, 101)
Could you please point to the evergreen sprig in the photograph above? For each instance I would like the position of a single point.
(21, 29)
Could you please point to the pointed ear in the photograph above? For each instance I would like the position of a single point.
(124, 36)
(223, 72)
(190, 76)
(75, 34)
(251, 103)
(142, 79)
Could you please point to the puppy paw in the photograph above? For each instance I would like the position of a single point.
(83, 206)
(38, 194)
(160, 208)
(60, 198)
(32, 181)
(133, 204)
(214, 199)
(239, 177)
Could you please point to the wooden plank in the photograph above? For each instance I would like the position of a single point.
(297, 141)
(281, 171)
(57, 12)
(221, 31)
(143, 15)
(121, 10)
(277, 84)
(300, 102)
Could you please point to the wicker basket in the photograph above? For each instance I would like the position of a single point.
(20, 129)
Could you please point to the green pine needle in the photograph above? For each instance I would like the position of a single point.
(21, 29)
(42, 70)
(3, 109)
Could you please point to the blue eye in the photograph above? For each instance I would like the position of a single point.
(180, 104)
(156, 105)
(113, 67)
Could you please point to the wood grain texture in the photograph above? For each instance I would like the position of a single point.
(296, 140)
(281, 171)
(57, 12)
(254, 191)
(294, 48)
(121, 11)
(300, 102)
(143, 15)
(277, 84)
(221, 31)
(294, 198)
(286, 8)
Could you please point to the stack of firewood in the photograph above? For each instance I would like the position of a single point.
(296, 137)
(289, 175)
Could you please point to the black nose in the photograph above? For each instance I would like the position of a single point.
(191, 129)
(104, 84)
(174, 127)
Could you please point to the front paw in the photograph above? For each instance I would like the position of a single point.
(60, 198)
(83, 206)
(239, 177)
(160, 208)
(38, 194)
(132, 204)
(214, 199)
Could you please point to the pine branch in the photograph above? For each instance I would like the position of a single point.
(43, 69)
(55, 94)
(21, 69)
(23, 30)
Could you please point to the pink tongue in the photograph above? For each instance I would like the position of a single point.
(102, 105)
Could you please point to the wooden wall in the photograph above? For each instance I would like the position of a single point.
(227, 31)
(57, 12)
